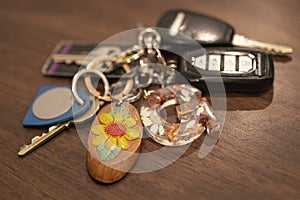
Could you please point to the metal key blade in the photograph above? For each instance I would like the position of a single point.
(69, 58)
(37, 141)
(242, 41)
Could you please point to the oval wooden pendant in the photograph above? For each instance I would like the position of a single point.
(114, 142)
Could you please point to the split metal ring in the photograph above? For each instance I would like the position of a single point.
(136, 95)
(92, 90)
(125, 94)
(150, 38)
(87, 71)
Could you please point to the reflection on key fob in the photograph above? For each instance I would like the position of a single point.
(205, 29)
(242, 70)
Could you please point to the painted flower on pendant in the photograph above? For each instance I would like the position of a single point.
(151, 120)
(113, 133)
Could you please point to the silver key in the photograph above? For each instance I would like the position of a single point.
(242, 41)
(78, 59)
(86, 57)
(37, 141)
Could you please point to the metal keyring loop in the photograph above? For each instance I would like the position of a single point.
(124, 95)
(83, 72)
(130, 98)
(102, 59)
(154, 43)
(92, 89)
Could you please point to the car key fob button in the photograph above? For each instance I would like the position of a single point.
(242, 70)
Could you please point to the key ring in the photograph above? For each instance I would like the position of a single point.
(122, 96)
(130, 97)
(86, 71)
(96, 93)
(150, 38)
(101, 59)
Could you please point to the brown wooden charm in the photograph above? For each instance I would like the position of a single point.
(114, 142)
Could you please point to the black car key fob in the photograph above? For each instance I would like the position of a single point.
(210, 31)
(202, 28)
(240, 69)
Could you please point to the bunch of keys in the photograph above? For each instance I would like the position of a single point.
(115, 136)
(33, 119)
(114, 139)
(245, 65)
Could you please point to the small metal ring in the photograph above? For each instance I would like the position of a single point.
(96, 93)
(99, 60)
(141, 38)
(124, 95)
(129, 97)
(136, 97)
(86, 71)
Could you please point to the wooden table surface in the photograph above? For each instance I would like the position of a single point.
(257, 156)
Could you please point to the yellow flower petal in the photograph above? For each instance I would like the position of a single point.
(98, 129)
(99, 139)
(113, 140)
(119, 117)
(106, 118)
(132, 134)
(130, 122)
(109, 145)
(123, 143)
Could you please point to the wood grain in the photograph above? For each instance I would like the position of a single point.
(257, 156)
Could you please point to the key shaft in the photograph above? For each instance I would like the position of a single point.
(242, 41)
(37, 141)
(78, 59)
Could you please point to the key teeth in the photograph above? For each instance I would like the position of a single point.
(36, 138)
(51, 129)
(24, 146)
(39, 140)
(23, 151)
(240, 40)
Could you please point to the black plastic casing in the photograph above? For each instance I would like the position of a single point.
(204, 29)
(258, 81)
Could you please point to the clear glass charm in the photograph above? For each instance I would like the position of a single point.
(193, 113)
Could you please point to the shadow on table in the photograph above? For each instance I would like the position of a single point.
(249, 101)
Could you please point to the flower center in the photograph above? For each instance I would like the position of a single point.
(115, 129)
